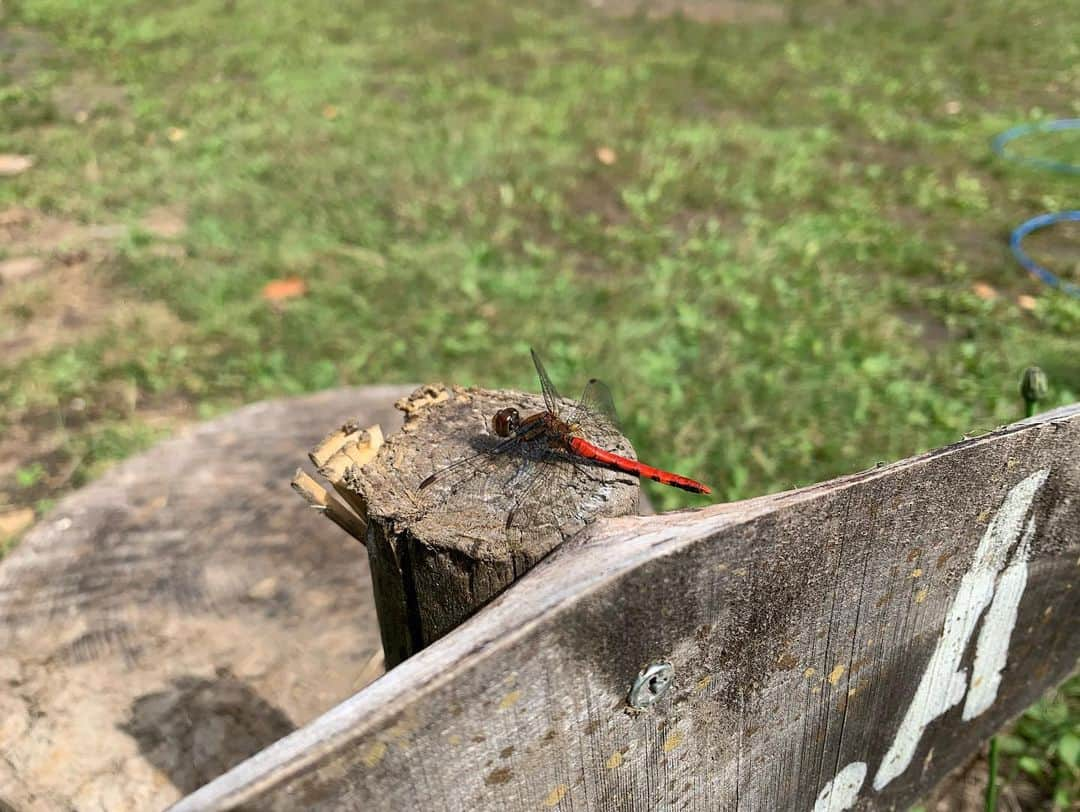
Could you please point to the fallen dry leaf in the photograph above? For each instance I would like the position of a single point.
(12, 270)
(984, 291)
(953, 107)
(11, 165)
(606, 156)
(176, 134)
(330, 112)
(14, 522)
(281, 289)
(1026, 302)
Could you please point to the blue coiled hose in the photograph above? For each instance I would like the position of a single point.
(1043, 220)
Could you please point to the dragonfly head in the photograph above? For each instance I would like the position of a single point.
(506, 422)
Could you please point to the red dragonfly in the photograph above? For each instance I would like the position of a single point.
(536, 457)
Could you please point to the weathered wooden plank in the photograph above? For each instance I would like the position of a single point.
(841, 646)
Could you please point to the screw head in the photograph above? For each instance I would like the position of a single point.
(651, 684)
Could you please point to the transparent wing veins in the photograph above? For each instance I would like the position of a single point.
(551, 394)
(595, 413)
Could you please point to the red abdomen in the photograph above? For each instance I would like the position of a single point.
(586, 449)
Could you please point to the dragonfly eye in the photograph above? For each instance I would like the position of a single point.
(506, 422)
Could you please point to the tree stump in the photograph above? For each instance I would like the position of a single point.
(181, 613)
(439, 554)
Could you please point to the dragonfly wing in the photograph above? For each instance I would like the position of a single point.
(538, 496)
(468, 466)
(496, 477)
(486, 476)
(551, 394)
(595, 413)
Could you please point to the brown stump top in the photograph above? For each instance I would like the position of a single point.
(440, 553)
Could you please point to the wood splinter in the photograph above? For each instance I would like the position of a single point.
(347, 448)
(316, 496)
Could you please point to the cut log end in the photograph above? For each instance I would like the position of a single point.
(437, 482)
(445, 536)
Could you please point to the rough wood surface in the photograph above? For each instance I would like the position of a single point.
(180, 614)
(841, 646)
(439, 554)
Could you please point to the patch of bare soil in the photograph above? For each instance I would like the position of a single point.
(52, 289)
(598, 194)
(84, 95)
(23, 51)
(54, 293)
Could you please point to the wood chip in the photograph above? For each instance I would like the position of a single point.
(333, 443)
(606, 156)
(366, 447)
(374, 668)
(360, 447)
(11, 165)
(320, 499)
(422, 398)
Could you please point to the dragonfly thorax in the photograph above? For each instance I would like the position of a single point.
(508, 422)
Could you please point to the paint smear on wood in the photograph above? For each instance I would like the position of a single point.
(992, 647)
(943, 683)
(672, 741)
(374, 753)
(841, 793)
(555, 795)
(509, 700)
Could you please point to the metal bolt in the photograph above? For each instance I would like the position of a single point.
(651, 684)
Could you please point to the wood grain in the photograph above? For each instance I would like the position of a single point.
(439, 554)
(808, 631)
(180, 613)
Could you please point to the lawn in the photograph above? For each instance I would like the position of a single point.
(782, 239)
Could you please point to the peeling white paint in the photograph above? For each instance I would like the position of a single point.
(992, 647)
(943, 683)
(841, 793)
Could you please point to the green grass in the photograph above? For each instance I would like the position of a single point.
(776, 274)
(1044, 746)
